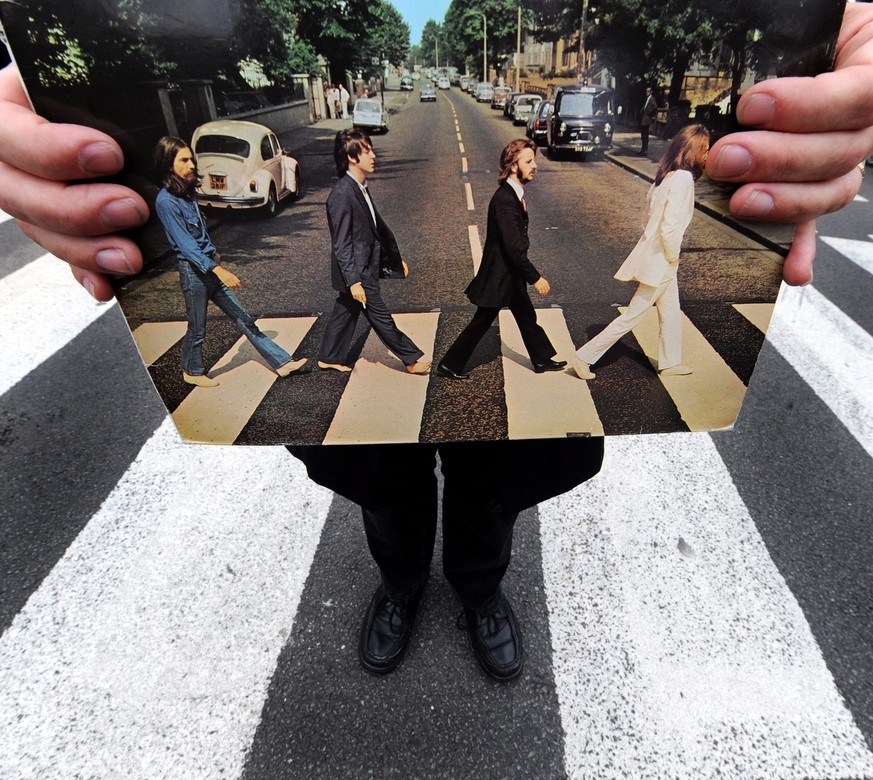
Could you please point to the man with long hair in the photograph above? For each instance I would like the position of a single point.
(505, 270)
(363, 249)
(201, 274)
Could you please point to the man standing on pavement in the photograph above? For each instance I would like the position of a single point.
(647, 118)
(505, 270)
(363, 249)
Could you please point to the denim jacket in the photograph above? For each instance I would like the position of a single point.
(186, 230)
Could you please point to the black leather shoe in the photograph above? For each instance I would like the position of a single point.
(386, 631)
(447, 372)
(496, 640)
(549, 365)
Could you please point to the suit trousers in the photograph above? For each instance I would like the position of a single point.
(486, 485)
(535, 339)
(665, 297)
(340, 328)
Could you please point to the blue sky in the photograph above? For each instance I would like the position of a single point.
(415, 13)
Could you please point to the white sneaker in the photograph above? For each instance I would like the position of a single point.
(679, 370)
(201, 380)
(582, 369)
(290, 367)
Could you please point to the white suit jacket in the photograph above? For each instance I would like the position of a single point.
(669, 209)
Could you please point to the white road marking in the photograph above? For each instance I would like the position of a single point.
(148, 649)
(860, 199)
(4, 217)
(461, 148)
(831, 352)
(464, 168)
(217, 415)
(468, 191)
(859, 252)
(153, 339)
(44, 308)
(562, 402)
(382, 402)
(711, 397)
(475, 247)
(679, 651)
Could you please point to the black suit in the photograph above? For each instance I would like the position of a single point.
(502, 280)
(361, 252)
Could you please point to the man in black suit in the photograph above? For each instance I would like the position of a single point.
(505, 270)
(363, 249)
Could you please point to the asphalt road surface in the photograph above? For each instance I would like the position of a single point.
(701, 608)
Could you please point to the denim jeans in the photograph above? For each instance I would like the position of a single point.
(198, 289)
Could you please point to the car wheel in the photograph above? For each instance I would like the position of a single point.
(272, 204)
(298, 182)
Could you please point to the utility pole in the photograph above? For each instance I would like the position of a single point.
(580, 67)
(518, 53)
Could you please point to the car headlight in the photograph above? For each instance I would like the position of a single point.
(607, 128)
(597, 139)
(253, 185)
(562, 129)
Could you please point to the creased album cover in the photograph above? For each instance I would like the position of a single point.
(346, 246)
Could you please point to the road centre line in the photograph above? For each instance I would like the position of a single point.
(475, 247)
(469, 192)
(464, 167)
(461, 147)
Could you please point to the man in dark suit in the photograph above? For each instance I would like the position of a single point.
(363, 249)
(505, 270)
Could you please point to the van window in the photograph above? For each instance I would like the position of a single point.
(585, 104)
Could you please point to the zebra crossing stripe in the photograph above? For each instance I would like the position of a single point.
(382, 402)
(678, 649)
(859, 252)
(216, 415)
(154, 339)
(759, 314)
(831, 352)
(148, 649)
(475, 247)
(44, 308)
(4, 217)
(710, 398)
(562, 402)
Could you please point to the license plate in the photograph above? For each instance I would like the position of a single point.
(584, 149)
(218, 182)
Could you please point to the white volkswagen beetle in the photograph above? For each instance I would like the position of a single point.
(243, 166)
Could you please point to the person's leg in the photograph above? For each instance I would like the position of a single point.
(459, 353)
(670, 320)
(536, 342)
(386, 329)
(644, 138)
(268, 349)
(340, 329)
(196, 301)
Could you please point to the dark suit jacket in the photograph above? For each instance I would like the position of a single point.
(505, 266)
(360, 251)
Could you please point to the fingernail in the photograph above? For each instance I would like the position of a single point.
(120, 214)
(756, 110)
(759, 205)
(100, 158)
(732, 161)
(89, 286)
(114, 261)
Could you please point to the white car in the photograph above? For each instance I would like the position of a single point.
(243, 166)
(525, 105)
(370, 114)
(443, 83)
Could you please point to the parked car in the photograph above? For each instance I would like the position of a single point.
(243, 166)
(471, 86)
(513, 102)
(583, 120)
(484, 92)
(536, 123)
(370, 114)
(462, 83)
(407, 84)
(498, 101)
(524, 107)
(443, 83)
(427, 93)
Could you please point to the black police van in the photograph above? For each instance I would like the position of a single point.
(583, 120)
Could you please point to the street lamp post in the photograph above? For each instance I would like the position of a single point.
(484, 47)
(518, 53)
(582, 53)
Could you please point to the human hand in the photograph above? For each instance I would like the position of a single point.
(405, 269)
(809, 134)
(76, 222)
(357, 291)
(542, 286)
(227, 278)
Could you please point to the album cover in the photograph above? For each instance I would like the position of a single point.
(591, 283)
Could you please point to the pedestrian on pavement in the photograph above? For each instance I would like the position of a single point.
(505, 270)
(344, 101)
(648, 116)
(332, 98)
(363, 249)
(654, 261)
(201, 275)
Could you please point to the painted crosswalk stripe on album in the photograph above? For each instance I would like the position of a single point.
(153, 339)
(382, 401)
(759, 314)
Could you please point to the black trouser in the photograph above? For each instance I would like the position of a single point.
(644, 137)
(486, 485)
(535, 339)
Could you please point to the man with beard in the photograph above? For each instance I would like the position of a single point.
(505, 270)
(202, 277)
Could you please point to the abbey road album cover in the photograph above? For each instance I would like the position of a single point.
(500, 231)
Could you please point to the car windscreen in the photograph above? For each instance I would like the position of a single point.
(368, 105)
(585, 104)
(222, 144)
